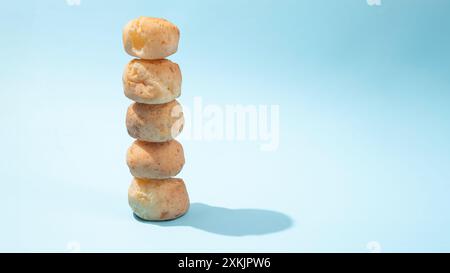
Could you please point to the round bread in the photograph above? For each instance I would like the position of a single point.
(155, 159)
(163, 199)
(150, 38)
(155, 122)
(152, 82)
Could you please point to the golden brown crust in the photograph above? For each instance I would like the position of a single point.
(155, 122)
(153, 199)
(156, 160)
(152, 81)
(150, 38)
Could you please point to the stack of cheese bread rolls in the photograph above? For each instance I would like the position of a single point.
(154, 120)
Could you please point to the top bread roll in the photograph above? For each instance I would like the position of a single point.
(150, 38)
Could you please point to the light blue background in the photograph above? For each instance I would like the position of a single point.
(364, 153)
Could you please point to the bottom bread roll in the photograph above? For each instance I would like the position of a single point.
(158, 199)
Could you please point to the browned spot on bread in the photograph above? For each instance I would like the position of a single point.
(163, 214)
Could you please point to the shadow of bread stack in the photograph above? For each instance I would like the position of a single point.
(154, 120)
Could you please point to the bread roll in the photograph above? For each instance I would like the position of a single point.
(150, 38)
(153, 199)
(155, 122)
(155, 159)
(152, 82)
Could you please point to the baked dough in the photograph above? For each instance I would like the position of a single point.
(155, 122)
(150, 38)
(153, 199)
(152, 82)
(155, 159)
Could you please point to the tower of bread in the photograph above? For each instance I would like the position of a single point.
(154, 119)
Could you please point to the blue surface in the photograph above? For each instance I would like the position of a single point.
(364, 152)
